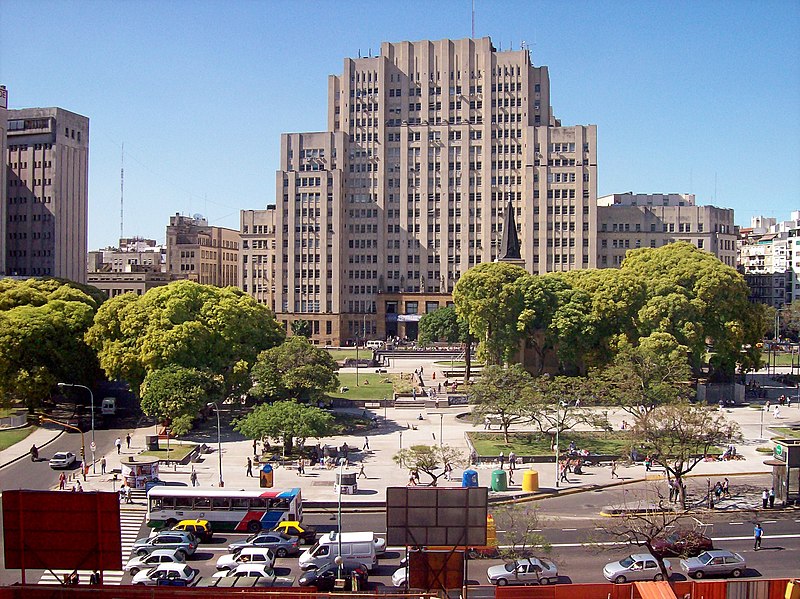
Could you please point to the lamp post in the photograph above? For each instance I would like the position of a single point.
(219, 440)
(93, 447)
(339, 558)
(441, 428)
(558, 428)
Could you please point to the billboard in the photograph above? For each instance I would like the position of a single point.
(62, 530)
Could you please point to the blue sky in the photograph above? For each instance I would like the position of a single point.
(694, 97)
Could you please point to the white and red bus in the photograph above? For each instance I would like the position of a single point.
(226, 510)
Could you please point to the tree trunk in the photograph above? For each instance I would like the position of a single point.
(659, 560)
(505, 432)
(467, 358)
(288, 443)
(681, 491)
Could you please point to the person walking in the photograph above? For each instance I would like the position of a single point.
(301, 466)
(103, 465)
(62, 482)
(772, 498)
(502, 459)
(84, 470)
(361, 472)
(512, 461)
(764, 499)
(34, 453)
(193, 477)
(118, 445)
(614, 469)
(366, 443)
(128, 440)
(726, 488)
(564, 473)
(249, 467)
(758, 533)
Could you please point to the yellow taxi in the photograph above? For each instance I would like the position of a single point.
(200, 528)
(293, 528)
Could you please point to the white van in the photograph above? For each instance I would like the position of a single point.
(356, 546)
(375, 344)
(109, 406)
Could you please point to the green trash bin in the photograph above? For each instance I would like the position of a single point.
(499, 480)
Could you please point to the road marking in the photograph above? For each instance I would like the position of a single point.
(612, 543)
(567, 529)
(768, 521)
(537, 530)
(735, 523)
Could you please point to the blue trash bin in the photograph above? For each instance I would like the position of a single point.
(469, 478)
(266, 477)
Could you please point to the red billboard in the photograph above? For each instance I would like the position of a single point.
(62, 530)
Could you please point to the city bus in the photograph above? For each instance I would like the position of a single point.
(226, 510)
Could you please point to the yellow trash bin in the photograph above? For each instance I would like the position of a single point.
(530, 481)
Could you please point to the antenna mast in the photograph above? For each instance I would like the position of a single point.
(122, 192)
(473, 19)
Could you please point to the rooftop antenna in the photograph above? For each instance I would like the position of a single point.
(122, 193)
(473, 19)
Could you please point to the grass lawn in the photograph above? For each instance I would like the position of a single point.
(344, 354)
(176, 450)
(9, 438)
(779, 359)
(534, 444)
(785, 431)
(458, 364)
(378, 387)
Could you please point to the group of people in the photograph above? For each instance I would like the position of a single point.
(721, 489)
(768, 498)
(73, 578)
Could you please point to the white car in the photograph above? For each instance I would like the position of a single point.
(159, 556)
(531, 570)
(380, 545)
(247, 555)
(400, 576)
(62, 459)
(171, 572)
(266, 575)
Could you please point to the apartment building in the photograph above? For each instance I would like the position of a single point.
(628, 221)
(133, 253)
(426, 146)
(768, 255)
(46, 193)
(257, 257)
(202, 253)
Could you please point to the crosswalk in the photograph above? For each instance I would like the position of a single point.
(131, 520)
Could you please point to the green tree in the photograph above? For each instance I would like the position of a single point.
(486, 298)
(42, 324)
(295, 369)
(502, 394)
(559, 403)
(444, 324)
(790, 320)
(301, 328)
(177, 394)
(678, 436)
(187, 324)
(285, 421)
(523, 525)
(429, 459)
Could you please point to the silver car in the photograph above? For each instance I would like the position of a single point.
(717, 561)
(531, 570)
(638, 566)
(183, 543)
(159, 556)
(280, 543)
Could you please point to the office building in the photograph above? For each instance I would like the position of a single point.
(202, 253)
(426, 146)
(628, 221)
(257, 257)
(46, 204)
(3, 189)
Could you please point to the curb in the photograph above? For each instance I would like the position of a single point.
(27, 454)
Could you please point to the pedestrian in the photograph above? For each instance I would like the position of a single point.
(486, 423)
(122, 493)
(118, 444)
(255, 448)
(361, 472)
(249, 467)
(416, 476)
(411, 480)
(78, 486)
(84, 470)
(34, 454)
(647, 463)
(128, 494)
(128, 440)
(301, 466)
(502, 459)
(94, 578)
(448, 469)
(726, 488)
(62, 482)
(758, 533)
(614, 470)
(510, 476)
(366, 443)
(512, 461)
(193, 478)
(564, 473)
(473, 457)
(764, 499)
(103, 465)
(772, 497)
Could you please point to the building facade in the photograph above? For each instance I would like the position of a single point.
(628, 221)
(258, 257)
(137, 280)
(131, 255)
(3, 189)
(46, 204)
(426, 145)
(202, 253)
(768, 255)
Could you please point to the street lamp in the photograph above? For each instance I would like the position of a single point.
(93, 447)
(558, 427)
(339, 559)
(441, 428)
(219, 440)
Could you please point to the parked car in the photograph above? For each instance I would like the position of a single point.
(199, 528)
(292, 528)
(717, 561)
(62, 459)
(178, 574)
(531, 570)
(184, 543)
(247, 555)
(324, 578)
(280, 543)
(151, 560)
(400, 576)
(638, 566)
(262, 571)
(682, 543)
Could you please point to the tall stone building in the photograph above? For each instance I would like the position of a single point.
(46, 204)
(257, 257)
(628, 221)
(426, 145)
(3, 189)
(201, 252)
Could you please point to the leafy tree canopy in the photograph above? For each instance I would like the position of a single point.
(502, 394)
(294, 369)
(429, 459)
(443, 325)
(178, 394)
(184, 324)
(285, 421)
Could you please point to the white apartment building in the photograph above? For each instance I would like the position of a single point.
(769, 257)
(628, 221)
(426, 145)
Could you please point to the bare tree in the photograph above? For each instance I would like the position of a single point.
(430, 459)
(523, 526)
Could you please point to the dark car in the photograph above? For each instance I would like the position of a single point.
(324, 578)
(682, 543)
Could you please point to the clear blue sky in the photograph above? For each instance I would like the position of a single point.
(696, 97)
